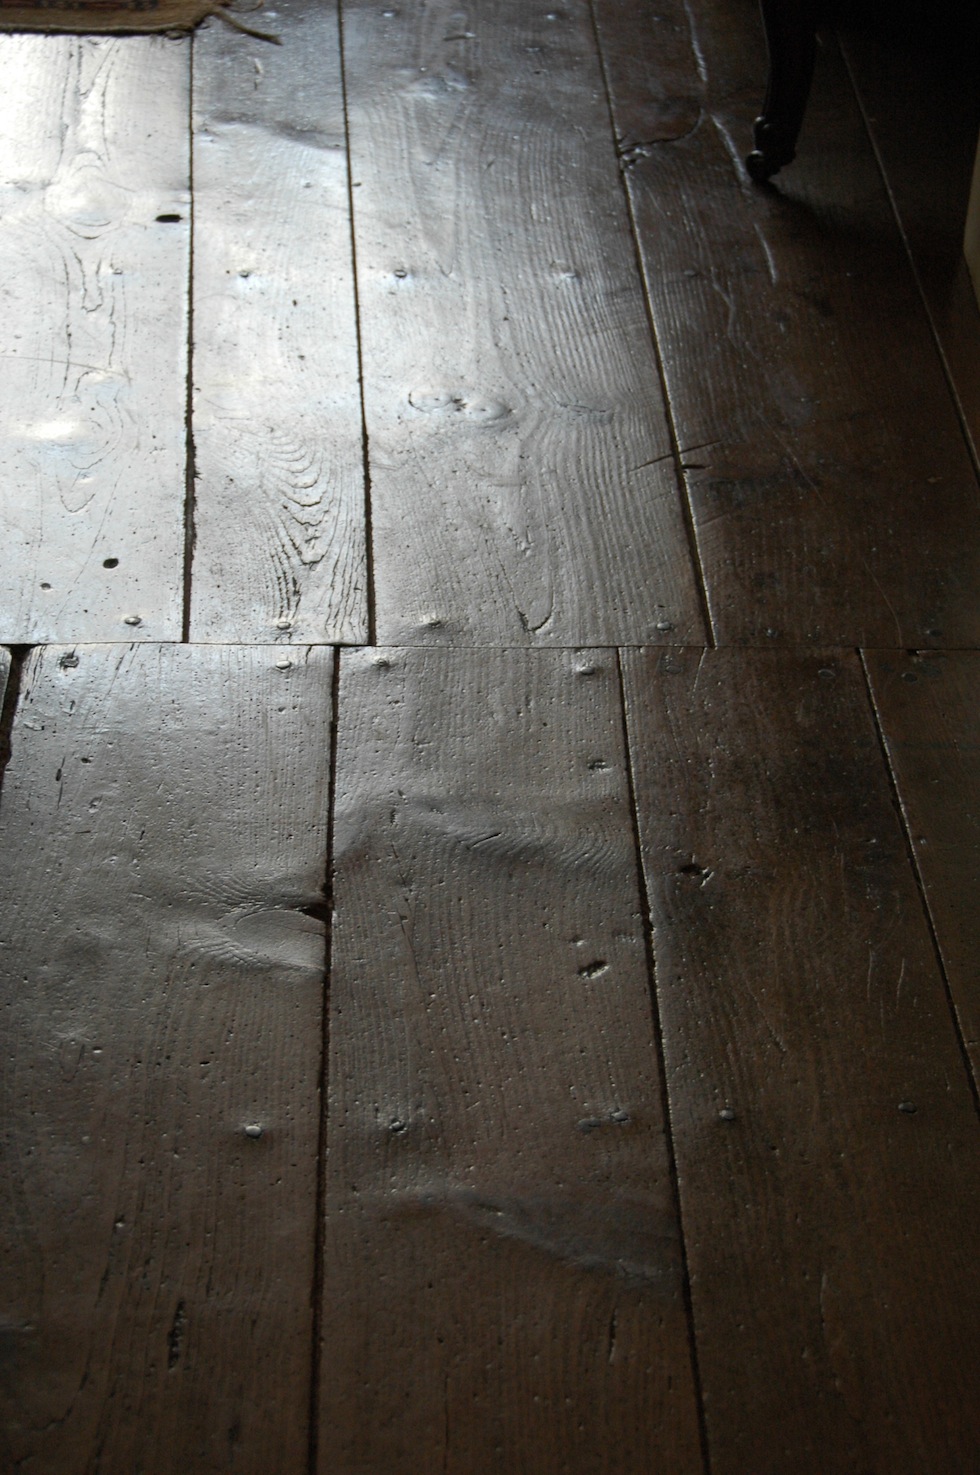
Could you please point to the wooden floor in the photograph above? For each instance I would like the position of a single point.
(490, 824)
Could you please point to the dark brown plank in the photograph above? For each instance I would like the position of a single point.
(927, 706)
(279, 518)
(523, 488)
(503, 1280)
(833, 495)
(822, 1114)
(917, 73)
(94, 247)
(162, 828)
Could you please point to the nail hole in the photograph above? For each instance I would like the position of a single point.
(110, 563)
(169, 219)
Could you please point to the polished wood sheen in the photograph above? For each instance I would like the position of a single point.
(821, 1109)
(503, 1284)
(94, 233)
(278, 517)
(162, 832)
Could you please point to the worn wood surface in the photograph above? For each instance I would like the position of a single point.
(279, 516)
(473, 1262)
(822, 1115)
(502, 1276)
(94, 234)
(928, 707)
(921, 97)
(4, 675)
(523, 489)
(162, 828)
(833, 496)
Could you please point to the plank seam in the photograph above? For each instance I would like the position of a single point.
(11, 700)
(647, 922)
(325, 911)
(972, 449)
(365, 443)
(684, 497)
(190, 469)
(913, 858)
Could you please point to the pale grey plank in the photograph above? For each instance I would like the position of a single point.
(523, 488)
(94, 232)
(280, 547)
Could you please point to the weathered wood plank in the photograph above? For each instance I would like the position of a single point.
(162, 829)
(523, 488)
(93, 294)
(918, 78)
(502, 1276)
(833, 495)
(822, 1115)
(279, 516)
(927, 706)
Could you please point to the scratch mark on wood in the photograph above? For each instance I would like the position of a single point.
(175, 1336)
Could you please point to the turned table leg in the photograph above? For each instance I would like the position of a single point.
(790, 40)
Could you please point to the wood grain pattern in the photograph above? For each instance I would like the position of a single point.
(502, 1286)
(279, 516)
(833, 495)
(162, 828)
(927, 705)
(821, 1111)
(523, 488)
(94, 233)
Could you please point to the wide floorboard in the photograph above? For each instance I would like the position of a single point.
(503, 1275)
(278, 530)
(833, 495)
(489, 786)
(94, 254)
(162, 837)
(821, 1108)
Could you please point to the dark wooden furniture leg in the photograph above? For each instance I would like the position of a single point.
(790, 27)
